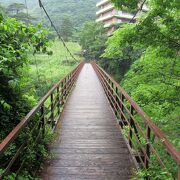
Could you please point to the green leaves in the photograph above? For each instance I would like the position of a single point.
(128, 4)
(92, 39)
(16, 40)
(152, 45)
(120, 40)
(66, 28)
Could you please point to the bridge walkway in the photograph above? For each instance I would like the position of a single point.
(90, 144)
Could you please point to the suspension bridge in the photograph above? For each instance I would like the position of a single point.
(101, 133)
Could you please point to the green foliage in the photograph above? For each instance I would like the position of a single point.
(16, 99)
(13, 68)
(92, 39)
(15, 8)
(78, 11)
(153, 77)
(46, 70)
(130, 4)
(120, 54)
(66, 29)
(153, 82)
(24, 17)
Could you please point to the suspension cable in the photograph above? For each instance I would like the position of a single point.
(58, 34)
(136, 13)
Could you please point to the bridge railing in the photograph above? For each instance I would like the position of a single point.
(44, 115)
(154, 154)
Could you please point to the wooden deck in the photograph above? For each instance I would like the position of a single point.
(90, 145)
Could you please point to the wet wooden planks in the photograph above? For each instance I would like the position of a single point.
(90, 145)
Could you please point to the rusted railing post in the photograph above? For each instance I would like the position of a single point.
(52, 110)
(122, 110)
(43, 119)
(131, 126)
(58, 99)
(112, 91)
(65, 86)
(148, 135)
(70, 81)
(62, 94)
(117, 101)
(109, 92)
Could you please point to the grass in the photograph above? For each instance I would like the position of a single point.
(46, 70)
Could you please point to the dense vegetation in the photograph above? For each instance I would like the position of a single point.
(16, 99)
(30, 64)
(151, 48)
(46, 70)
(92, 38)
(79, 11)
(143, 57)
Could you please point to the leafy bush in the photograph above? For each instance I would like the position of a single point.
(16, 99)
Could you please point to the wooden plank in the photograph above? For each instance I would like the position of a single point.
(122, 150)
(86, 177)
(90, 144)
(95, 170)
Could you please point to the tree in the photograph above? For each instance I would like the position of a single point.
(16, 40)
(66, 28)
(24, 17)
(152, 79)
(17, 10)
(92, 39)
(120, 55)
(156, 35)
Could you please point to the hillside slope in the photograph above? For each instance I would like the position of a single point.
(79, 11)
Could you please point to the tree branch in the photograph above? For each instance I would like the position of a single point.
(140, 9)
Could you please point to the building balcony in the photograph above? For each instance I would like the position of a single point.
(105, 18)
(106, 9)
(118, 15)
(124, 15)
(102, 3)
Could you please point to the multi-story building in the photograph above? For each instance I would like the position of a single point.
(110, 16)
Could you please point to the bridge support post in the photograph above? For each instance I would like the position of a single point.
(121, 122)
(62, 94)
(111, 95)
(52, 110)
(131, 126)
(58, 99)
(117, 102)
(109, 91)
(65, 86)
(147, 157)
(43, 119)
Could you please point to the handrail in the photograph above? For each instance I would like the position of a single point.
(117, 95)
(62, 87)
